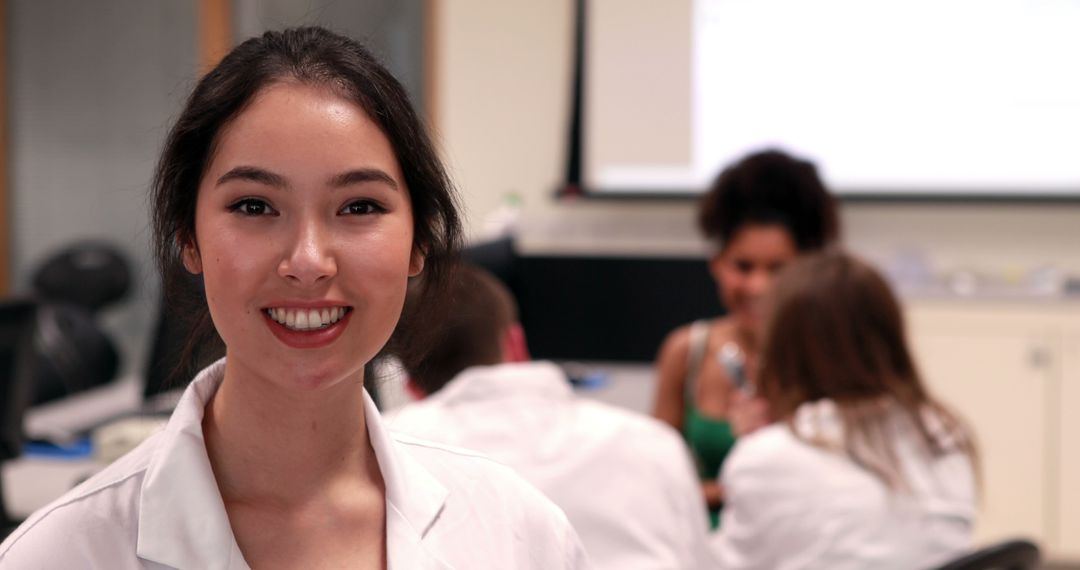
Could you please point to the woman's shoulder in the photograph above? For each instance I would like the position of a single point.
(775, 455)
(677, 341)
(676, 345)
(93, 524)
(714, 329)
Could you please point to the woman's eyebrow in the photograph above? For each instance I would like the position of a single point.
(254, 174)
(362, 175)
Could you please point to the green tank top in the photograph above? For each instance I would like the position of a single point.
(710, 439)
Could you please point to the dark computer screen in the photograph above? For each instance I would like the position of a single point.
(16, 372)
(172, 363)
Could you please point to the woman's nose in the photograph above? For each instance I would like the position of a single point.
(758, 283)
(309, 259)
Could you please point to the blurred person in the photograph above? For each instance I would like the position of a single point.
(863, 468)
(761, 213)
(625, 480)
(300, 185)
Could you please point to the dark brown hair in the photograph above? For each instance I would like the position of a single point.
(770, 187)
(836, 332)
(481, 310)
(313, 56)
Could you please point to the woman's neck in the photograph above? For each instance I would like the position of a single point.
(287, 447)
(747, 339)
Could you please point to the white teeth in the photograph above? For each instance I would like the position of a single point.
(302, 320)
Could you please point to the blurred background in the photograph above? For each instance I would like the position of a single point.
(526, 100)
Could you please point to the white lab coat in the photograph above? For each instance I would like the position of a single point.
(625, 481)
(792, 505)
(159, 507)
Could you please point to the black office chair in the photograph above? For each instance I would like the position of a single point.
(73, 285)
(1009, 555)
(88, 274)
(17, 321)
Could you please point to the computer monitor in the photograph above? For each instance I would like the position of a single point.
(608, 308)
(17, 325)
(16, 372)
(169, 367)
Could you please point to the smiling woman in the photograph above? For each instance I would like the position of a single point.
(303, 208)
(299, 183)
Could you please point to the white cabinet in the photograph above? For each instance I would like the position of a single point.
(1011, 370)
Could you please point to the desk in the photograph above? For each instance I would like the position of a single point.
(65, 419)
(31, 482)
(627, 385)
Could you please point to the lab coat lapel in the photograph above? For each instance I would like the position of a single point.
(414, 499)
(405, 547)
(182, 519)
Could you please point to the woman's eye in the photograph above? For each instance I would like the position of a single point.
(361, 208)
(252, 207)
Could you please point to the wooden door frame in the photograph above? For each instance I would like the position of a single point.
(214, 32)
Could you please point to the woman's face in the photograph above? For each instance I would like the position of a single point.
(304, 237)
(745, 270)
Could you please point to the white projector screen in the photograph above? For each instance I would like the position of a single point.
(888, 97)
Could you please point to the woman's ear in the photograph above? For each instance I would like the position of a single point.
(716, 264)
(416, 261)
(189, 254)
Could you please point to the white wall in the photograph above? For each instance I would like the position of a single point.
(93, 86)
(503, 71)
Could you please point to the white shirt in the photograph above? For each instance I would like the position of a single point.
(625, 481)
(790, 504)
(159, 507)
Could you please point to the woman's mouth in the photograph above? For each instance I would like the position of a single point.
(303, 320)
(303, 327)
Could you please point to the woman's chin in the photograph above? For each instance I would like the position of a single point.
(318, 376)
(748, 323)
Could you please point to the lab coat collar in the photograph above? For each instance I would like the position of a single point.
(412, 492)
(414, 499)
(182, 518)
(540, 379)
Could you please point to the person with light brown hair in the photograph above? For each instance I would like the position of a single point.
(862, 467)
